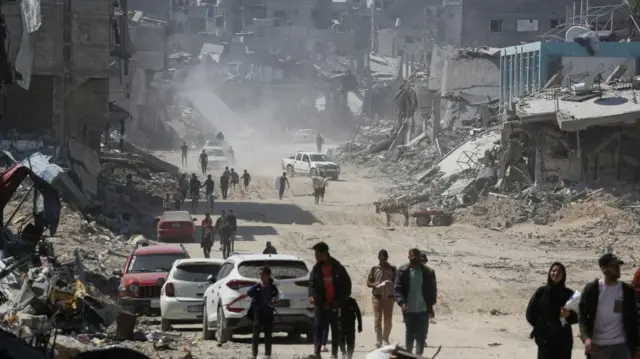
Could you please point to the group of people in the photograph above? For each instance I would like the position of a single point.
(192, 186)
(607, 314)
(225, 226)
(412, 287)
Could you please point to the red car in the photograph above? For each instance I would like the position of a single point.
(176, 226)
(144, 274)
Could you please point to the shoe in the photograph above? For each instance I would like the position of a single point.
(385, 343)
(378, 345)
(324, 349)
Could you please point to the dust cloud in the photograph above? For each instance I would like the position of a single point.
(260, 132)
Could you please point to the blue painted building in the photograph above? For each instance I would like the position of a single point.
(524, 69)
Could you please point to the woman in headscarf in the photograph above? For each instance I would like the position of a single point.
(552, 335)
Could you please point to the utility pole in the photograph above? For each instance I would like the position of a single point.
(124, 38)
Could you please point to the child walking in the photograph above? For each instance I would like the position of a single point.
(348, 316)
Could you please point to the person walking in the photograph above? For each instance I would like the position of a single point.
(544, 312)
(282, 180)
(233, 222)
(194, 191)
(225, 234)
(209, 187)
(206, 235)
(380, 280)
(323, 188)
(166, 202)
(264, 297)
(235, 179)
(329, 290)
(246, 178)
(349, 314)
(415, 291)
(204, 161)
(224, 183)
(608, 314)
(316, 183)
(183, 184)
(184, 149)
(319, 142)
(178, 198)
(217, 229)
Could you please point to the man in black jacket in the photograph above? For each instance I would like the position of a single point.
(609, 317)
(415, 291)
(233, 222)
(329, 290)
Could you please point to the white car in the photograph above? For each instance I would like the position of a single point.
(239, 272)
(217, 157)
(304, 135)
(181, 295)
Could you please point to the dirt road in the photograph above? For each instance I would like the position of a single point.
(485, 278)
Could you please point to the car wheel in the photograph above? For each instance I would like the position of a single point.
(206, 333)
(334, 178)
(224, 334)
(290, 171)
(165, 325)
(312, 172)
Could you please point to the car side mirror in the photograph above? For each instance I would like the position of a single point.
(194, 219)
(117, 272)
(211, 278)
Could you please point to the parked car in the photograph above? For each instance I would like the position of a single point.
(144, 274)
(237, 275)
(181, 295)
(311, 164)
(176, 226)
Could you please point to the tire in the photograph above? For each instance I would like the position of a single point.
(224, 334)
(334, 178)
(313, 172)
(290, 171)
(206, 333)
(165, 325)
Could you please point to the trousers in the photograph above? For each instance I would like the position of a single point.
(322, 319)
(618, 351)
(382, 311)
(347, 336)
(262, 322)
(415, 331)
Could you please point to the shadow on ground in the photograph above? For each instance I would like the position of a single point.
(248, 233)
(275, 213)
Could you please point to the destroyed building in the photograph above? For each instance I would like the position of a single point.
(64, 86)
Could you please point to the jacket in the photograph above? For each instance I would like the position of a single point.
(589, 305)
(544, 317)
(341, 283)
(429, 286)
(350, 313)
(233, 222)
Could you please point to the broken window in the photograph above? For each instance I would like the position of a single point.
(554, 23)
(496, 25)
(526, 25)
(219, 21)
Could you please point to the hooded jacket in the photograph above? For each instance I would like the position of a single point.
(543, 312)
(341, 283)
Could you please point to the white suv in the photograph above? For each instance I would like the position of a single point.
(239, 272)
(181, 295)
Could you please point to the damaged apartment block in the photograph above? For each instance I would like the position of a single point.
(571, 113)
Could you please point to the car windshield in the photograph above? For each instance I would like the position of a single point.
(280, 269)
(216, 152)
(319, 158)
(154, 262)
(196, 272)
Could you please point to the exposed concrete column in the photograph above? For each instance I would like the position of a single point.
(538, 138)
(435, 115)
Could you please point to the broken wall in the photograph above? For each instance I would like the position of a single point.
(465, 84)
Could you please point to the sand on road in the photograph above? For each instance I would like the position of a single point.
(485, 278)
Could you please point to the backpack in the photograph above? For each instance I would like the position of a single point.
(254, 301)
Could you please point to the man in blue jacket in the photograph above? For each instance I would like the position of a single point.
(329, 290)
(415, 291)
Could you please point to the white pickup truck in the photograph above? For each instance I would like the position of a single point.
(311, 163)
